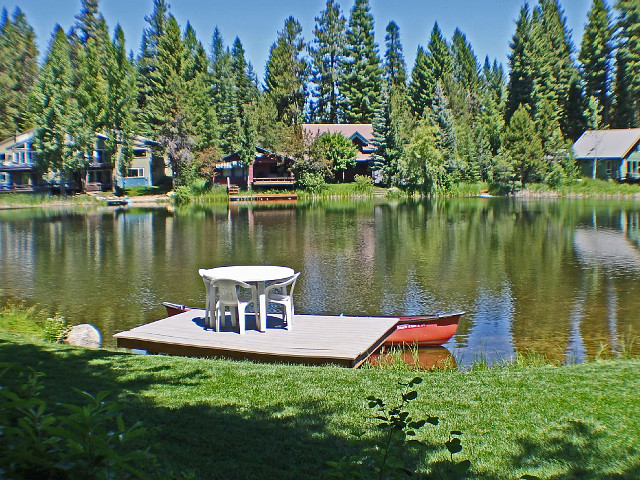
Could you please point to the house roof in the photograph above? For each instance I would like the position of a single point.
(233, 159)
(361, 131)
(606, 143)
(18, 138)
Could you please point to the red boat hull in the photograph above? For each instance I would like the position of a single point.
(420, 330)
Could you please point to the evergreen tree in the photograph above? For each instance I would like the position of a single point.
(147, 65)
(443, 120)
(122, 96)
(553, 68)
(55, 113)
(430, 68)
(520, 87)
(91, 88)
(361, 84)
(88, 21)
(627, 89)
(18, 71)
(466, 70)
(286, 73)
(523, 145)
(247, 97)
(421, 85)
(596, 55)
(395, 68)
(224, 95)
(327, 50)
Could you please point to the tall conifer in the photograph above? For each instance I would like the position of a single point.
(286, 73)
(596, 55)
(627, 85)
(327, 51)
(361, 84)
(520, 86)
(395, 68)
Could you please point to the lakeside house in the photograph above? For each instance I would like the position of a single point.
(271, 169)
(361, 134)
(19, 169)
(609, 154)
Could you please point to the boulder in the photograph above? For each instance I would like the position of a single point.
(84, 335)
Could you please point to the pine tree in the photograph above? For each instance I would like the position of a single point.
(224, 95)
(122, 98)
(627, 89)
(18, 71)
(395, 68)
(523, 145)
(56, 110)
(596, 55)
(520, 87)
(361, 83)
(286, 73)
(430, 68)
(553, 68)
(466, 70)
(247, 97)
(421, 85)
(327, 50)
(88, 21)
(147, 65)
(443, 120)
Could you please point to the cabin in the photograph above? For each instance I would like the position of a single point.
(269, 170)
(19, 170)
(609, 154)
(361, 134)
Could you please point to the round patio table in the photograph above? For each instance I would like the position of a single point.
(258, 274)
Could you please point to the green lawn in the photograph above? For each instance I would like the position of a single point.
(226, 419)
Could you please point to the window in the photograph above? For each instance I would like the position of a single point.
(609, 168)
(135, 172)
(4, 178)
(138, 152)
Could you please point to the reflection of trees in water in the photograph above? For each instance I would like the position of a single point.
(513, 265)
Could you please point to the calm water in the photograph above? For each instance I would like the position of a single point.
(556, 277)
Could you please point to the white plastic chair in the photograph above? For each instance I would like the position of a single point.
(227, 291)
(281, 293)
(211, 298)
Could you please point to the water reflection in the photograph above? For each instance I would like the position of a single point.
(557, 277)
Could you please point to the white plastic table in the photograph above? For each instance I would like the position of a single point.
(258, 274)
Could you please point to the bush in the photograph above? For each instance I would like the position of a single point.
(556, 176)
(363, 184)
(313, 182)
(182, 195)
(55, 329)
(74, 442)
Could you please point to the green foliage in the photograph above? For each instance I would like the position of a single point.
(523, 144)
(313, 182)
(397, 442)
(20, 319)
(182, 195)
(363, 184)
(335, 151)
(362, 80)
(55, 329)
(327, 55)
(286, 73)
(556, 176)
(422, 165)
(395, 68)
(90, 440)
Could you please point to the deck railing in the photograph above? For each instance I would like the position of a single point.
(274, 180)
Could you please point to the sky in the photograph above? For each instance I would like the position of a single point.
(488, 24)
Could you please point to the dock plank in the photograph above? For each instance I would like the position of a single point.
(314, 339)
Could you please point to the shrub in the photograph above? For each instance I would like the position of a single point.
(363, 184)
(556, 176)
(55, 329)
(74, 442)
(313, 182)
(182, 195)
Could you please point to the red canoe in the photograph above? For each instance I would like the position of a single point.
(420, 330)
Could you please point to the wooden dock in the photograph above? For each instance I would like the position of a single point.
(263, 197)
(314, 339)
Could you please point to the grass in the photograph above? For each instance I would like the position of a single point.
(226, 419)
(39, 199)
(587, 187)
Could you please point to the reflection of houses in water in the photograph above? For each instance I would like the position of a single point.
(18, 254)
(606, 248)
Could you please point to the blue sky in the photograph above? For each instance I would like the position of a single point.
(488, 24)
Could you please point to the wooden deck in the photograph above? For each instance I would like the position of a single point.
(314, 339)
(262, 197)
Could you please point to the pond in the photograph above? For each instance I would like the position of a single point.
(556, 277)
